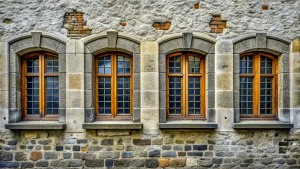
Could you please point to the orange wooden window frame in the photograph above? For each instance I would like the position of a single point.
(114, 86)
(256, 84)
(185, 85)
(42, 86)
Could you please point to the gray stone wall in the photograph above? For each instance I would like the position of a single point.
(144, 141)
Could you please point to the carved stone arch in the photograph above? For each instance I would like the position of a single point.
(107, 42)
(199, 43)
(277, 46)
(34, 42)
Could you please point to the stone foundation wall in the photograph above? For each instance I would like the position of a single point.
(132, 149)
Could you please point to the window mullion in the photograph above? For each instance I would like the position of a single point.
(203, 88)
(185, 85)
(114, 84)
(256, 85)
(42, 86)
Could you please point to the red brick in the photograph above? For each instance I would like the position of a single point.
(123, 24)
(218, 30)
(217, 18)
(218, 22)
(197, 6)
(265, 7)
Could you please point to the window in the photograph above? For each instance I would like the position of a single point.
(40, 86)
(113, 84)
(185, 85)
(258, 85)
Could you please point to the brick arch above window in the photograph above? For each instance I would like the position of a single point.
(188, 42)
(279, 48)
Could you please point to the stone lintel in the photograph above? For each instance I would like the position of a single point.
(36, 125)
(187, 40)
(112, 37)
(36, 39)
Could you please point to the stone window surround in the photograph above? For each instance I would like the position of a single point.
(198, 43)
(108, 42)
(262, 42)
(19, 46)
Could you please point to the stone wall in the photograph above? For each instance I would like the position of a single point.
(148, 31)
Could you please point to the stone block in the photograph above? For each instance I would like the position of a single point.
(164, 162)
(122, 163)
(136, 63)
(244, 45)
(14, 63)
(128, 45)
(294, 62)
(127, 155)
(136, 99)
(49, 43)
(284, 63)
(224, 119)
(3, 62)
(285, 100)
(202, 45)
(210, 63)
(96, 45)
(79, 46)
(42, 164)
(210, 97)
(295, 117)
(88, 81)
(149, 99)
(162, 115)
(75, 163)
(284, 81)
(141, 142)
(210, 81)
(187, 40)
(50, 155)
(224, 47)
(224, 63)
(236, 63)
(62, 115)
(180, 162)
(162, 99)
(4, 81)
(199, 154)
(61, 48)
(4, 99)
(236, 81)
(224, 99)
(295, 99)
(200, 147)
(113, 133)
(20, 156)
(62, 63)
(224, 81)
(149, 62)
(136, 81)
(170, 46)
(191, 162)
(277, 46)
(236, 98)
(109, 162)
(149, 81)
(162, 62)
(136, 115)
(211, 115)
(236, 115)
(295, 81)
(75, 99)
(261, 40)
(94, 163)
(151, 163)
(75, 81)
(36, 155)
(284, 115)
(150, 118)
(89, 66)
(169, 154)
(30, 134)
(27, 165)
(71, 46)
(149, 47)
(75, 119)
(75, 63)
(89, 98)
(162, 81)
(154, 153)
(295, 46)
(138, 163)
(21, 45)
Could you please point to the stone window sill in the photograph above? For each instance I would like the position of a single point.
(36, 125)
(188, 125)
(107, 125)
(250, 124)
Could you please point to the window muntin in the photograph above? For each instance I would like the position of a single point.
(40, 86)
(185, 85)
(258, 85)
(114, 84)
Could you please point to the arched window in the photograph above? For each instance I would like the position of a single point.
(258, 85)
(40, 86)
(185, 85)
(113, 84)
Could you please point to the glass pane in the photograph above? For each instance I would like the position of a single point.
(194, 95)
(52, 95)
(51, 64)
(175, 64)
(123, 65)
(246, 63)
(175, 95)
(104, 65)
(266, 95)
(32, 95)
(265, 65)
(194, 64)
(246, 95)
(32, 64)
(124, 95)
(104, 95)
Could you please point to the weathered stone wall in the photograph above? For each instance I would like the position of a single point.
(149, 30)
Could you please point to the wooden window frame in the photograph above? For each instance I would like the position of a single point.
(256, 85)
(42, 86)
(185, 86)
(114, 87)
